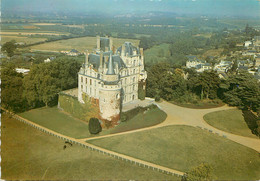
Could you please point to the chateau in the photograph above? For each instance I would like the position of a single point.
(111, 77)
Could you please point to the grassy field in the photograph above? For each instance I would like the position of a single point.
(58, 121)
(80, 44)
(141, 120)
(201, 104)
(156, 53)
(184, 147)
(24, 39)
(231, 121)
(29, 154)
(63, 123)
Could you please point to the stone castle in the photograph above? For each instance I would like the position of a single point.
(112, 77)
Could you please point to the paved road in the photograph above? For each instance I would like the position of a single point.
(177, 115)
(194, 117)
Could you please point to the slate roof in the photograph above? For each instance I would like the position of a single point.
(129, 48)
(94, 59)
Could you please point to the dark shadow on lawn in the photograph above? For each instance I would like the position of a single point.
(251, 121)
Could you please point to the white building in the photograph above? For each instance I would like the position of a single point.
(111, 78)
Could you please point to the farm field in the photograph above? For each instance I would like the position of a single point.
(80, 44)
(231, 121)
(24, 39)
(29, 154)
(185, 147)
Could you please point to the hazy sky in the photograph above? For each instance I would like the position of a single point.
(200, 7)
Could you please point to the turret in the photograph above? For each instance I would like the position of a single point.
(86, 58)
(110, 69)
(98, 42)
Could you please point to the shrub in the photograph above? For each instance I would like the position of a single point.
(123, 117)
(157, 98)
(94, 126)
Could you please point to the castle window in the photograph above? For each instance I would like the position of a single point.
(133, 87)
(134, 71)
(90, 81)
(86, 80)
(81, 79)
(133, 79)
(81, 86)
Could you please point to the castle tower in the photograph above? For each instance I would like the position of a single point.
(110, 95)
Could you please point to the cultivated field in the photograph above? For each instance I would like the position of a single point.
(29, 154)
(231, 121)
(24, 39)
(80, 44)
(184, 147)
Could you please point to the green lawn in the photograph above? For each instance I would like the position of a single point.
(63, 123)
(231, 121)
(184, 147)
(29, 154)
(141, 120)
(58, 121)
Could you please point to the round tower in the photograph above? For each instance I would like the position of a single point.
(110, 95)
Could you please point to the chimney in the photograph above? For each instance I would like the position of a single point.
(101, 60)
(142, 52)
(114, 50)
(110, 43)
(123, 50)
(86, 58)
(98, 42)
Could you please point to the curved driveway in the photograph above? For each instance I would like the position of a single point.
(177, 115)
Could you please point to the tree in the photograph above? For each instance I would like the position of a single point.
(9, 48)
(94, 126)
(12, 89)
(206, 84)
(201, 172)
(242, 90)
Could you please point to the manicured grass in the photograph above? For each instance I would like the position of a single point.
(204, 104)
(231, 121)
(141, 120)
(58, 121)
(184, 147)
(29, 154)
(80, 44)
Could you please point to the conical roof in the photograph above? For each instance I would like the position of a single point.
(110, 70)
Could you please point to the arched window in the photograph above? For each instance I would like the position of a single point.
(133, 79)
(134, 71)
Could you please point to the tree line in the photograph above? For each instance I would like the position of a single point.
(240, 89)
(40, 87)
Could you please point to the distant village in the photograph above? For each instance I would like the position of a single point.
(249, 60)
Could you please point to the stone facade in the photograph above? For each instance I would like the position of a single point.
(111, 77)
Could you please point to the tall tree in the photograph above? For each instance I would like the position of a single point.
(12, 89)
